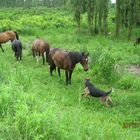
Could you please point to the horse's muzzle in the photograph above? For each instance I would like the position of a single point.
(85, 69)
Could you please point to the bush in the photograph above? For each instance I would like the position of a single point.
(128, 82)
(104, 65)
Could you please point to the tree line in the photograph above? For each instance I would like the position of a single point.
(127, 12)
(127, 15)
(30, 3)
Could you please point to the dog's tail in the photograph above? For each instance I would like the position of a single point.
(110, 91)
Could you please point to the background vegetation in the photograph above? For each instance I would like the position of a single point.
(34, 105)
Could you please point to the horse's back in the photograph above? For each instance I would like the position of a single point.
(40, 45)
(17, 47)
(17, 43)
(61, 59)
(6, 36)
(53, 51)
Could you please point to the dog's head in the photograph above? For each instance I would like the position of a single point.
(87, 80)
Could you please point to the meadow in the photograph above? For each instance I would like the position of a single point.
(36, 106)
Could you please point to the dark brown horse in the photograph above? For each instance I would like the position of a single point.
(40, 47)
(17, 48)
(6, 36)
(67, 61)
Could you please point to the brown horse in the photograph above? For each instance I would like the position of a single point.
(40, 47)
(67, 61)
(6, 36)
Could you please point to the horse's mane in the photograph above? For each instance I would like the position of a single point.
(75, 57)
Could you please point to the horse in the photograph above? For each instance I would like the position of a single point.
(40, 47)
(6, 36)
(67, 61)
(17, 48)
(137, 41)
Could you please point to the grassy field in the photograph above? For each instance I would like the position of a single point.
(36, 106)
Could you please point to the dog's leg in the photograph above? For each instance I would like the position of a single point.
(86, 92)
(110, 100)
(104, 100)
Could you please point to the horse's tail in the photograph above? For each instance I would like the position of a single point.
(33, 52)
(47, 53)
(17, 36)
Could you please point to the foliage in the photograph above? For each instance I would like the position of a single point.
(104, 65)
(27, 22)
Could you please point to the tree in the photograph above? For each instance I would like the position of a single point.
(105, 20)
(77, 12)
(90, 13)
(118, 16)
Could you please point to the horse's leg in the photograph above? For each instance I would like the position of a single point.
(36, 55)
(59, 72)
(43, 59)
(17, 58)
(66, 72)
(37, 58)
(70, 74)
(52, 67)
(1, 48)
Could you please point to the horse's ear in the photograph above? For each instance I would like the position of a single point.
(83, 53)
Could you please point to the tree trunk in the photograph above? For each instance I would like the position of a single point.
(105, 17)
(100, 16)
(130, 19)
(90, 12)
(118, 16)
(78, 14)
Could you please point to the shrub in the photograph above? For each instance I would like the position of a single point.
(128, 82)
(104, 65)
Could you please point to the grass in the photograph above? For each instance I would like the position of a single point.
(36, 106)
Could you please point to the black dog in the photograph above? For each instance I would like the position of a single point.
(17, 48)
(91, 90)
(137, 41)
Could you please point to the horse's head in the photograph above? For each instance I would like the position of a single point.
(84, 61)
(137, 41)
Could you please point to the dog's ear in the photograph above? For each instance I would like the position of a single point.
(88, 78)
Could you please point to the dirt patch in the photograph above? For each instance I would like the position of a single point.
(134, 69)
